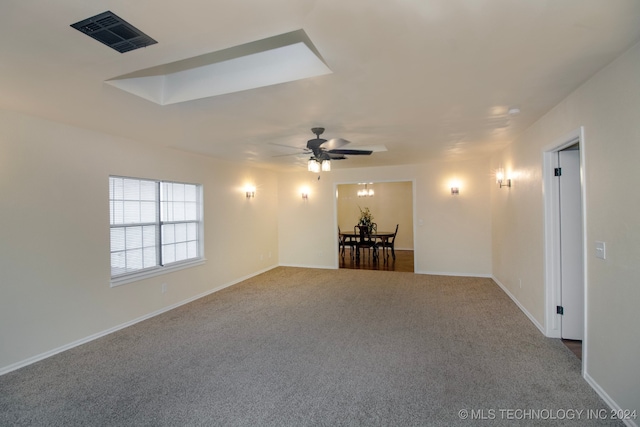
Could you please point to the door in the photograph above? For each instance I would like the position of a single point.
(571, 251)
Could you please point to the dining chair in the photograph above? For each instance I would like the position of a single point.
(390, 243)
(366, 240)
(342, 241)
(345, 241)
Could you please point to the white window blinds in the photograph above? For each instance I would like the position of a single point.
(153, 224)
(179, 215)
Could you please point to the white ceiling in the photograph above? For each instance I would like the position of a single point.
(429, 79)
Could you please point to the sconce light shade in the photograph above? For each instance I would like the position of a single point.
(502, 182)
(326, 166)
(251, 191)
(455, 185)
(304, 191)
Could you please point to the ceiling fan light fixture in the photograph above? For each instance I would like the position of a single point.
(313, 165)
(323, 151)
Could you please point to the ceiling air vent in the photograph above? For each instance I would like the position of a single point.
(114, 31)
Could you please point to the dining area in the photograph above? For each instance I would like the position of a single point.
(375, 226)
(366, 240)
(373, 253)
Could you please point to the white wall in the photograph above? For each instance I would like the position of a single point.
(452, 234)
(54, 232)
(608, 107)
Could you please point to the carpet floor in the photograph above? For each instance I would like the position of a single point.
(310, 347)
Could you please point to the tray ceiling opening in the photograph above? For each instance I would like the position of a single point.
(279, 59)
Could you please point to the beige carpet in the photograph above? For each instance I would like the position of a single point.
(296, 347)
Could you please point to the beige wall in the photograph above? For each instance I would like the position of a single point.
(607, 106)
(391, 205)
(54, 233)
(452, 234)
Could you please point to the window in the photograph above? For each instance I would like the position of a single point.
(156, 226)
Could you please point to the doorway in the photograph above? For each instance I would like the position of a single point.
(564, 241)
(571, 305)
(392, 205)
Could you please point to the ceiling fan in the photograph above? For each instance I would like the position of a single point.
(331, 149)
(322, 151)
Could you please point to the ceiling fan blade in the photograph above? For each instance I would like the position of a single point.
(351, 152)
(334, 143)
(288, 146)
(332, 149)
(377, 148)
(291, 154)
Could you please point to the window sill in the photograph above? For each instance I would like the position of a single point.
(134, 277)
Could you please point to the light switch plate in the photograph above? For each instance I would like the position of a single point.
(601, 250)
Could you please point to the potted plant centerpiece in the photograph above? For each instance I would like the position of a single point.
(366, 219)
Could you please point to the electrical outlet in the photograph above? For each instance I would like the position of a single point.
(520, 283)
(164, 288)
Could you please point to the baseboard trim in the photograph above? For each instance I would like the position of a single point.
(607, 399)
(520, 306)
(326, 267)
(448, 273)
(47, 354)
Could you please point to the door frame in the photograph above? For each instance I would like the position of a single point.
(336, 184)
(552, 234)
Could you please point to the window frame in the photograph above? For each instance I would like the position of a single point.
(159, 268)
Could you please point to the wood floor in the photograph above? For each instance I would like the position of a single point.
(575, 347)
(403, 262)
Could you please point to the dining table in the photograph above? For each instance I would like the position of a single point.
(382, 236)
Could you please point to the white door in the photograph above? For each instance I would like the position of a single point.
(571, 253)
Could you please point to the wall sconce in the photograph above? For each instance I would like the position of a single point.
(304, 191)
(455, 187)
(251, 191)
(500, 179)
